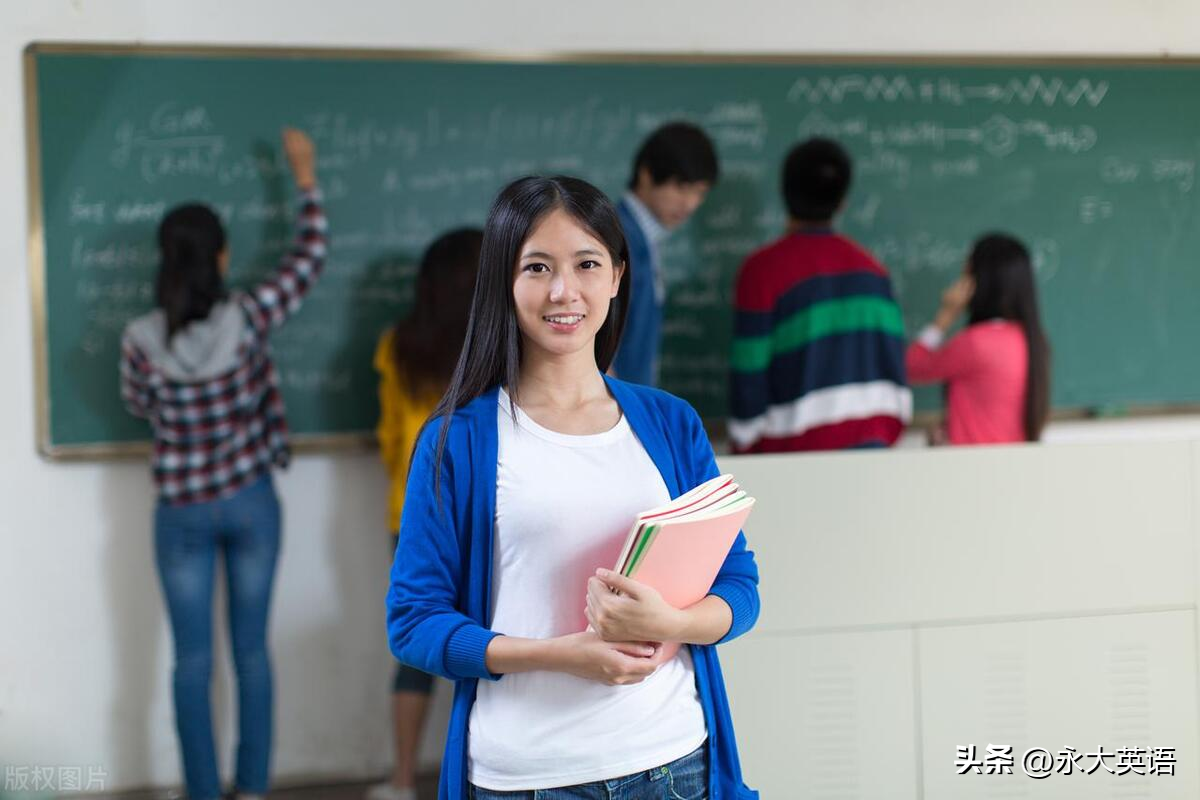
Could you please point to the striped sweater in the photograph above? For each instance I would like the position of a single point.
(818, 349)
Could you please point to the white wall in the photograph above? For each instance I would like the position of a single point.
(84, 660)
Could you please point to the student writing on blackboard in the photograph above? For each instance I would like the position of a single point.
(818, 350)
(198, 367)
(672, 173)
(525, 481)
(415, 360)
(997, 369)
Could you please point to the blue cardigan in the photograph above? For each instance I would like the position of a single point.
(438, 605)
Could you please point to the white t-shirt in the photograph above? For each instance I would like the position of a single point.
(563, 507)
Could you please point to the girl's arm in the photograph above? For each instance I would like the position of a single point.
(736, 584)
(135, 386)
(425, 627)
(584, 655)
(271, 302)
(928, 361)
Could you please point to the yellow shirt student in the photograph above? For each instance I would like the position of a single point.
(401, 416)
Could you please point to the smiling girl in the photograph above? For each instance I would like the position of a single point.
(525, 483)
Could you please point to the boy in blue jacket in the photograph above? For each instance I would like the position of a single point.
(672, 173)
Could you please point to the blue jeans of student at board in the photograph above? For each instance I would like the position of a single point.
(244, 529)
(682, 779)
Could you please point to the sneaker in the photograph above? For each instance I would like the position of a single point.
(390, 791)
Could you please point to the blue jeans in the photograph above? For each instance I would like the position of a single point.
(683, 779)
(187, 538)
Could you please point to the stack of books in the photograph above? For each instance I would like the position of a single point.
(678, 548)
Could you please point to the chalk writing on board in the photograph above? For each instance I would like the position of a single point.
(731, 123)
(129, 291)
(172, 119)
(900, 88)
(740, 169)
(737, 124)
(723, 218)
(998, 135)
(357, 140)
(887, 88)
(918, 251)
(1182, 172)
(108, 318)
(865, 211)
(84, 210)
(1046, 258)
(1117, 170)
(888, 164)
(112, 256)
(497, 129)
(955, 168)
(158, 158)
(145, 211)
(1094, 209)
(1178, 171)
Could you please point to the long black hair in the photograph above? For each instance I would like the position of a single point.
(190, 242)
(491, 354)
(1005, 289)
(427, 342)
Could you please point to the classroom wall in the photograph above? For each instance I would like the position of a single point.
(84, 663)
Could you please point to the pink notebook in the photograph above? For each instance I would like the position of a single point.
(698, 498)
(678, 548)
(680, 556)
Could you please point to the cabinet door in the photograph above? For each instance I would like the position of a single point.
(1118, 681)
(825, 715)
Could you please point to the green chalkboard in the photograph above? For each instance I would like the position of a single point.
(1093, 164)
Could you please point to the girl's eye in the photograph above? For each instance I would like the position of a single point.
(536, 267)
(590, 264)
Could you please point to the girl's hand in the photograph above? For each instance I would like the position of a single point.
(954, 300)
(586, 655)
(301, 156)
(958, 294)
(637, 614)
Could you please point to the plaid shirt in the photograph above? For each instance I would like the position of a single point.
(214, 437)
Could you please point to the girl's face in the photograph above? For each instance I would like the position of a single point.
(563, 283)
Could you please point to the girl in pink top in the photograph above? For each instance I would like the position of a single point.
(997, 369)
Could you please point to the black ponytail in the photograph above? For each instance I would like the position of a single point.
(190, 242)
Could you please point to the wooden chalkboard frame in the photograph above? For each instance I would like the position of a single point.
(356, 441)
